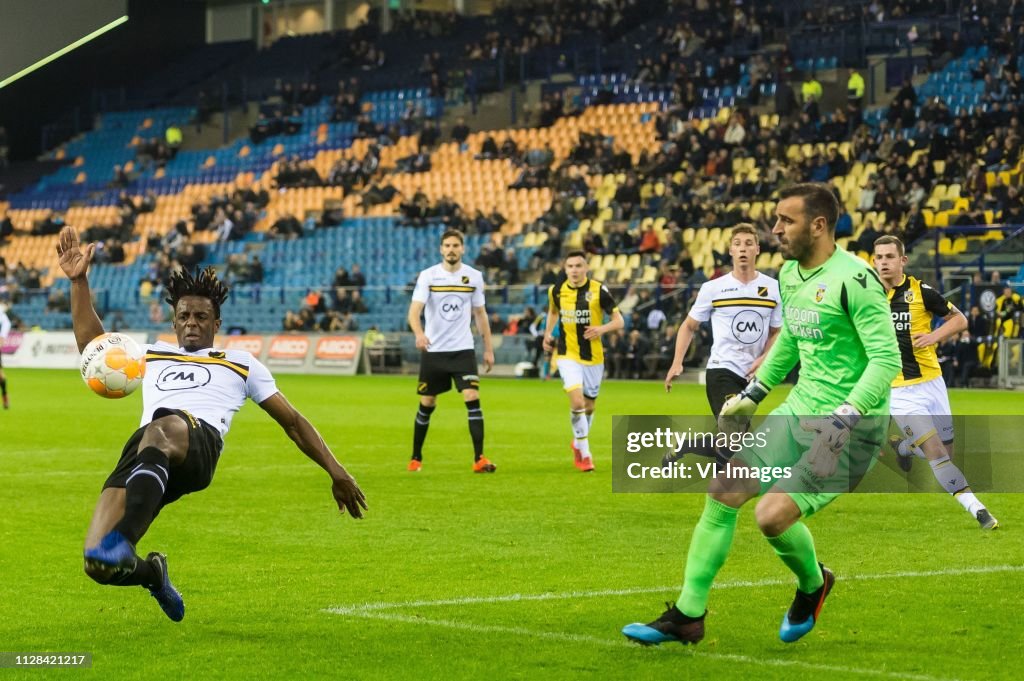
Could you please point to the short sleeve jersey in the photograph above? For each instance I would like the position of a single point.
(578, 308)
(449, 299)
(913, 306)
(740, 315)
(210, 384)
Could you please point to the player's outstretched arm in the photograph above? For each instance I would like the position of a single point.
(75, 264)
(780, 360)
(344, 488)
(683, 339)
(773, 333)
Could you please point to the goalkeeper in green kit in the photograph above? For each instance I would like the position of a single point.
(837, 324)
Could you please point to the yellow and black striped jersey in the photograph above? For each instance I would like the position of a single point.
(913, 307)
(578, 308)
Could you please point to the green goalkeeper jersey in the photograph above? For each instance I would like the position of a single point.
(837, 324)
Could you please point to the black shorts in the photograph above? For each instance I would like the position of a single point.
(194, 474)
(439, 369)
(722, 384)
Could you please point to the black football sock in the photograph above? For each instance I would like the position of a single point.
(3, 387)
(143, 492)
(476, 427)
(144, 574)
(419, 433)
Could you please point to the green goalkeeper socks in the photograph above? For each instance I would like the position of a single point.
(709, 547)
(795, 547)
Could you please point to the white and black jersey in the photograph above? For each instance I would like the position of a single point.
(210, 384)
(449, 299)
(740, 316)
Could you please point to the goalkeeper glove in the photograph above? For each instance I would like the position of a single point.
(737, 410)
(833, 432)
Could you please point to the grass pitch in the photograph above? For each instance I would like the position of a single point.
(529, 573)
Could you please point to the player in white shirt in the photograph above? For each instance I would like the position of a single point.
(450, 295)
(745, 310)
(5, 329)
(189, 395)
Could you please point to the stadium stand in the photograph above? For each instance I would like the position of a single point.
(645, 166)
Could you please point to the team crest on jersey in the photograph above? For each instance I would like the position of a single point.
(588, 296)
(820, 294)
(762, 291)
(217, 355)
(909, 431)
(465, 279)
(908, 296)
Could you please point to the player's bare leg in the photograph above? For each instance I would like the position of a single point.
(952, 479)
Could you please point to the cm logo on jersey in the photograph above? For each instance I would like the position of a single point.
(450, 308)
(182, 377)
(748, 327)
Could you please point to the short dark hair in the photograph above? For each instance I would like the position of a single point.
(819, 201)
(576, 254)
(203, 284)
(890, 239)
(454, 233)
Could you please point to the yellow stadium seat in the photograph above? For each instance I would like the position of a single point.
(595, 262)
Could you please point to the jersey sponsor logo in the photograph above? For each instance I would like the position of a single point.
(862, 279)
(251, 344)
(450, 308)
(729, 290)
(575, 316)
(901, 320)
(804, 323)
(762, 291)
(182, 377)
(908, 296)
(819, 295)
(747, 327)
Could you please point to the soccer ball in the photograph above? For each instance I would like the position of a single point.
(113, 365)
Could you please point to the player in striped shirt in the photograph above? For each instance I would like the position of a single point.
(920, 403)
(576, 308)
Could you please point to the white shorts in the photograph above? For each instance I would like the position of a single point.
(585, 376)
(922, 410)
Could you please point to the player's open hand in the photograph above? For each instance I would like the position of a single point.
(488, 360)
(73, 261)
(422, 342)
(673, 371)
(348, 495)
(549, 344)
(592, 332)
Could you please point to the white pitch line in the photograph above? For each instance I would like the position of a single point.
(620, 643)
(570, 595)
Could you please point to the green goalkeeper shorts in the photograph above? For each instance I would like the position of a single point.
(782, 442)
